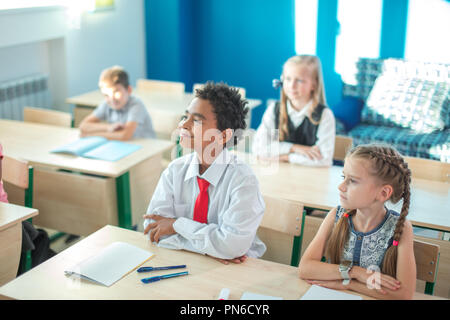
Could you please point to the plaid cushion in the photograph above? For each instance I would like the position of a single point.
(340, 127)
(410, 95)
(368, 71)
(445, 113)
(434, 145)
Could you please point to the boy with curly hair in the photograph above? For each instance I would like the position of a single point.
(209, 201)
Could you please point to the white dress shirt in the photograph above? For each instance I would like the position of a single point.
(266, 141)
(235, 207)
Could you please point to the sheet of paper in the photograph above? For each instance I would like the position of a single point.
(111, 263)
(112, 151)
(321, 293)
(256, 296)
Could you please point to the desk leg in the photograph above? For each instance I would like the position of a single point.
(124, 200)
(27, 263)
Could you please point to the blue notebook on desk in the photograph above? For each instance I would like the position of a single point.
(98, 148)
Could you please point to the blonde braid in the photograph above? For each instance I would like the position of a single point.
(339, 237)
(396, 163)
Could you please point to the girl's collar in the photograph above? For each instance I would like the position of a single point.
(292, 110)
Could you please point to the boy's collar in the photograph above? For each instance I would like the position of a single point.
(215, 170)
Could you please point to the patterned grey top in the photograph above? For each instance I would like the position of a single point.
(367, 249)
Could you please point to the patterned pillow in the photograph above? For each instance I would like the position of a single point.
(409, 95)
(340, 127)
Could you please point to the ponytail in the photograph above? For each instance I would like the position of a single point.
(339, 238)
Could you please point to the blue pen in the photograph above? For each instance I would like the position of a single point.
(166, 276)
(147, 269)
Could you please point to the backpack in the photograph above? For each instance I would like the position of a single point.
(38, 242)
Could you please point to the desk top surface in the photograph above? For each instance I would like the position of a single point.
(11, 214)
(318, 188)
(205, 280)
(33, 142)
(154, 100)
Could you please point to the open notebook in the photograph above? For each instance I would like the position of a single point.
(321, 293)
(111, 264)
(98, 148)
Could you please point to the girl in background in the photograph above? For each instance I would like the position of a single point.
(306, 126)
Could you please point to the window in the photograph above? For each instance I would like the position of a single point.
(427, 31)
(359, 35)
(305, 26)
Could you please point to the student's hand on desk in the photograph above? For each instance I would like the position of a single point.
(237, 260)
(283, 158)
(116, 127)
(161, 227)
(312, 153)
(373, 279)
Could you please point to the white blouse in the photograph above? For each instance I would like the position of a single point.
(266, 141)
(235, 207)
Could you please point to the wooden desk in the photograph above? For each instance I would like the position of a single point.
(205, 280)
(159, 105)
(317, 188)
(11, 217)
(81, 204)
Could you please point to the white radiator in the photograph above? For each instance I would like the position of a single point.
(29, 91)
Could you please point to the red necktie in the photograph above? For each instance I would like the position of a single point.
(201, 204)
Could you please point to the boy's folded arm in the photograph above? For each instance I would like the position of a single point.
(211, 239)
(124, 134)
(92, 124)
(162, 200)
(233, 237)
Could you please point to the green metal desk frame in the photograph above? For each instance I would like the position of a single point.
(124, 201)
(28, 201)
(297, 244)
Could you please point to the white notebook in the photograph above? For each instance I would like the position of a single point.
(111, 263)
(321, 293)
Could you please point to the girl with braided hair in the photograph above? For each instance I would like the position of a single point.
(364, 243)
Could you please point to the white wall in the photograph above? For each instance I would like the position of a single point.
(39, 40)
(22, 60)
(105, 39)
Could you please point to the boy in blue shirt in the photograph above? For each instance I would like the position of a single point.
(125, 115)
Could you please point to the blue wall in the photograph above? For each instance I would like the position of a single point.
(163, 46)
(393, 28)
(243, 43)
(327, 31)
